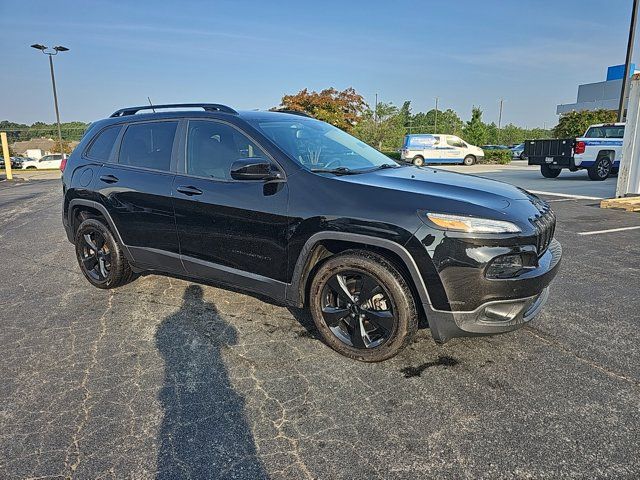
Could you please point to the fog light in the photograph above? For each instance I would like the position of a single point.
(505, 266)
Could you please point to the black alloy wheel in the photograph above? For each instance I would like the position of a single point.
(95, 255)
(99, 255)
(601, 169)
(362, 306)
(358, 310)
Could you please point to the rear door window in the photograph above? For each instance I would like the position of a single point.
(102, 146)
(148, 145)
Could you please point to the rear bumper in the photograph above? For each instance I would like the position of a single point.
(498, 316)
(557, 162)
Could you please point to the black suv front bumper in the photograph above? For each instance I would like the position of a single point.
(500, 316)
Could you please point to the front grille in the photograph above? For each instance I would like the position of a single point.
(545, 225)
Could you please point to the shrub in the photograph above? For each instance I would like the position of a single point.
(393, 155)
(502, 157)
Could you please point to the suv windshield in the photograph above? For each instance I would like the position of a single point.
(608, 131)
(319, 146)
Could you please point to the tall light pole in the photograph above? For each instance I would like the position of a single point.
(51, 52)
(627, 66)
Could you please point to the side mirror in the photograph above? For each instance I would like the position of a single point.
(254, 169)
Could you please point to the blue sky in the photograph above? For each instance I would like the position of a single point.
(247, 54)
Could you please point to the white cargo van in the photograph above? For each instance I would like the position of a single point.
(436, 148)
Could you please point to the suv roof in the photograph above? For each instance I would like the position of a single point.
(207, 107)
(179, 110)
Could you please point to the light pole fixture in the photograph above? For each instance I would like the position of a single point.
(51, 52)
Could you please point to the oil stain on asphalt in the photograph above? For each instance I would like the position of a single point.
(443, 360)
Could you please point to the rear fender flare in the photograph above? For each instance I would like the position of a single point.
(81, 202)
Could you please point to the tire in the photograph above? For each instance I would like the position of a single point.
(469, 160)
(548, 172)
(418, 161)
(388, 316)
(601, 169)
(109, 266)
(30, 167)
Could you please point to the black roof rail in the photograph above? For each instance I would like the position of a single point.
(294, 112)
(208, 107)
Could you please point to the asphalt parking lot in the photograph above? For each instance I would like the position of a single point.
(167, 379)
(571, 184)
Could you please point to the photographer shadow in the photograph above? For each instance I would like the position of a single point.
(204, 433)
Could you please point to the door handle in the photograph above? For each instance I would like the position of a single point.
(188, 190)
(109, 178)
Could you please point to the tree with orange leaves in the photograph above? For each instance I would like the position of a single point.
(342, 109)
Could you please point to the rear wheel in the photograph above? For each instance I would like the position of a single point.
(362, 306)
(418, 161)
(548, 172)
(100, 257)
(469, 160)
(601, 169)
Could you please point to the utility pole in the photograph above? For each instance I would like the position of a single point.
(627, 66)
(435, 125)
(55, 51)
(375, 112)
(500, 122)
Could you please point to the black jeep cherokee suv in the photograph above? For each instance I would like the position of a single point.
(293, 209)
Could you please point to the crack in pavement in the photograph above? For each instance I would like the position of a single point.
(86, 410)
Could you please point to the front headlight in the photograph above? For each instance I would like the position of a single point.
(461, 223)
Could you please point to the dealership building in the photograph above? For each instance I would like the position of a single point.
(599, 95)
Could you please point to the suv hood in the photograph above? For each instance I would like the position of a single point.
(441, 183)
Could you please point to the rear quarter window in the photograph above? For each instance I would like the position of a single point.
(420, 142)
(605, 132)
(102, 146)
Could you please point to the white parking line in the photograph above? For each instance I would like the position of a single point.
(566, 195)
(622, 229)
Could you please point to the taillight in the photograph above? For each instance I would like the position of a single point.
(63, 163)
(579, 148)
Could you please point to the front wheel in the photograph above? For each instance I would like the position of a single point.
(548, 172)
(601, 169)
(362, 306)
(418, 161)
(469, 160)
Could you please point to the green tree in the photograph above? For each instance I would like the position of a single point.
(448, 122)
(574, 124)
(493, 134)
(475, 131)
(383, 131)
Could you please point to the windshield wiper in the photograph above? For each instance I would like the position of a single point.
(387, 165)
(336, 171)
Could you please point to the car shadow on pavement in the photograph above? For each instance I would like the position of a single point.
(204, 433)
